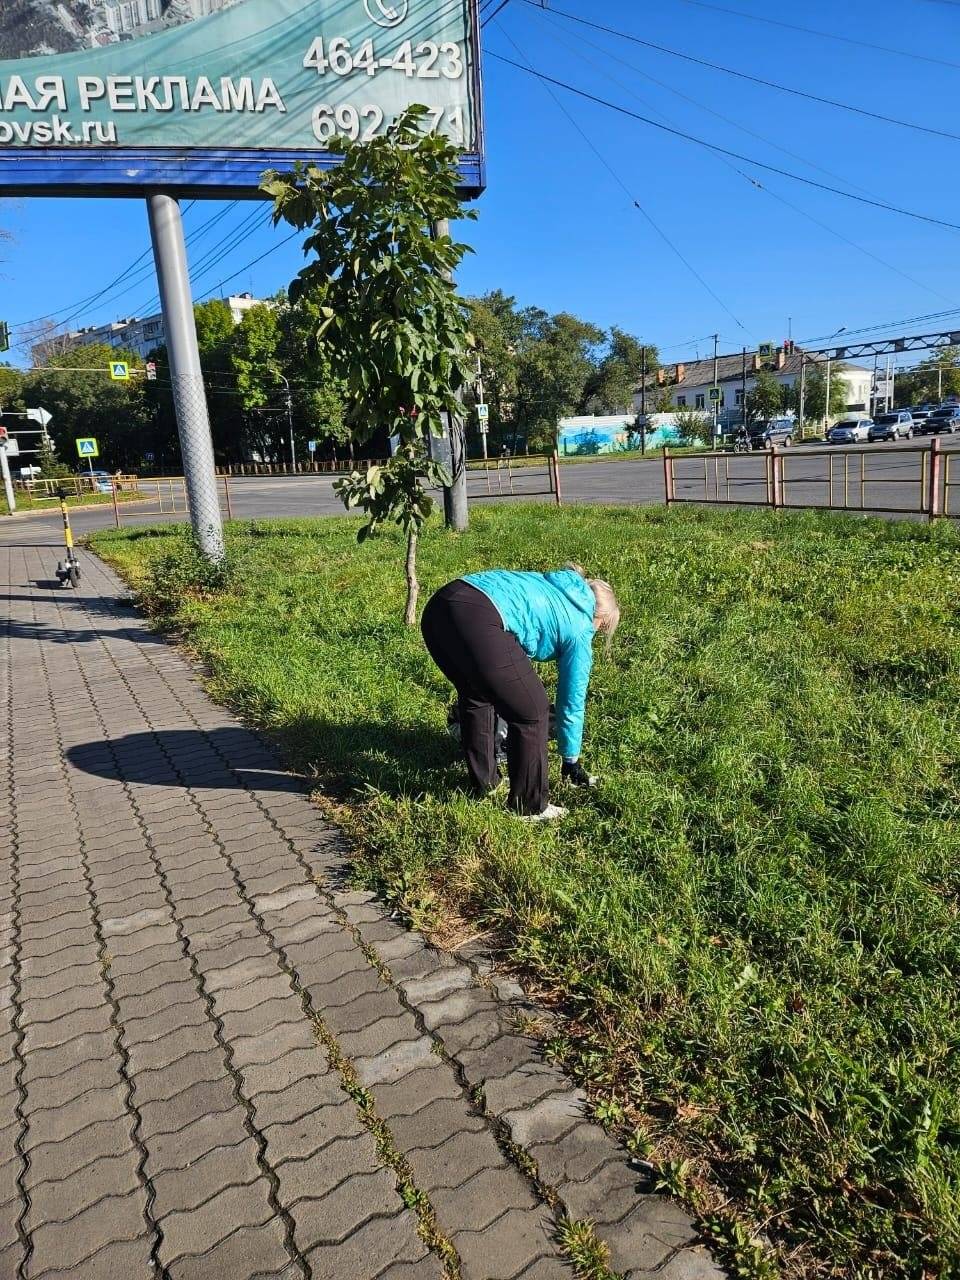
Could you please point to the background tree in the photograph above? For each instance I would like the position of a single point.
(934, 378)
(498, 330)
(318, 406)
(254, 357)
(555, 362)
(766, 398)
(613, 385)
(694, 427)
(815, 394)
(85, 402)
(390, 323)
(11, 387)
(51, 467)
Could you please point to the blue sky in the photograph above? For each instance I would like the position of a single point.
(558, 229)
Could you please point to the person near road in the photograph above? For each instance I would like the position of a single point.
(482, 631)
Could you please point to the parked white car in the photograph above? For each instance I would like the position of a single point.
(850, 431)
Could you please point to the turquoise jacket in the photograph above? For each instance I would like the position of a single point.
(551, 615)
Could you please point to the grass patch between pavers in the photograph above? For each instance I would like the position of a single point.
(752, 924)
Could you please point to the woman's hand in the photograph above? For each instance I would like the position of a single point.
(574, 773)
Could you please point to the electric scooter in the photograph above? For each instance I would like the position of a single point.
(68, 569)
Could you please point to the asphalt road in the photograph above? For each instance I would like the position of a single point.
(891, 480)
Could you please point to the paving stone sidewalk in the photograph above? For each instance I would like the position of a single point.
(216, 1062)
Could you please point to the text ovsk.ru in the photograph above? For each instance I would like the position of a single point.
(58, 133)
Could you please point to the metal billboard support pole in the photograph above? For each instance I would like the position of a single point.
(189, 396)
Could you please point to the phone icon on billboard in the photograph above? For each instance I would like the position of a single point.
(387, 14)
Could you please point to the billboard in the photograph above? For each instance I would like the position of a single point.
(200, 96)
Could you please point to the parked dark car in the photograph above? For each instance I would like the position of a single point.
(920, 413)
(946, 420)
(767, 433)
(892, 426)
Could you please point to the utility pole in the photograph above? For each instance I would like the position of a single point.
(293, 447)
(716, 383)
(826, 405)
(643, 400)
(939, 382)
(874, 398)
(743, 388)
(481, 399)
(452, 451)
(803, 389)
(186, 375)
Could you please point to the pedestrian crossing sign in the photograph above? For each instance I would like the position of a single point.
(119, 371)
(88, 448)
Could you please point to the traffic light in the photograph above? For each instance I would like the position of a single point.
(4, 336)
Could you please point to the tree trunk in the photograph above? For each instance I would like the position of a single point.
(413, 586)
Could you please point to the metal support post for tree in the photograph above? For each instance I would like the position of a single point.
(453, 454)
(186, 375)
(289, 399)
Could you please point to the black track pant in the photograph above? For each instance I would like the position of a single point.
(492, 675)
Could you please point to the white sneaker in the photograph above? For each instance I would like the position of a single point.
(550, 814)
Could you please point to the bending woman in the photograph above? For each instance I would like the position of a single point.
(482, 632)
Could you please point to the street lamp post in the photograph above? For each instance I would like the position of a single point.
(293, 447)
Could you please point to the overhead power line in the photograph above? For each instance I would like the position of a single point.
(724, 151)
(631, 197)
(81, 304)
(754, 182)
(499, 9)
(134, 275)
(898, 325)
(828, 35)
(248, 265)
(743, 75)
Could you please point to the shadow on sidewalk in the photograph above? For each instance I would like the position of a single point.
(99, 609)
(228, 757)
(395, 759)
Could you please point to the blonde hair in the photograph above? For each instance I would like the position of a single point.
(606, 614)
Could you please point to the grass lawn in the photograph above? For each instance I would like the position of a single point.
(752, 924)
(26, 502)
